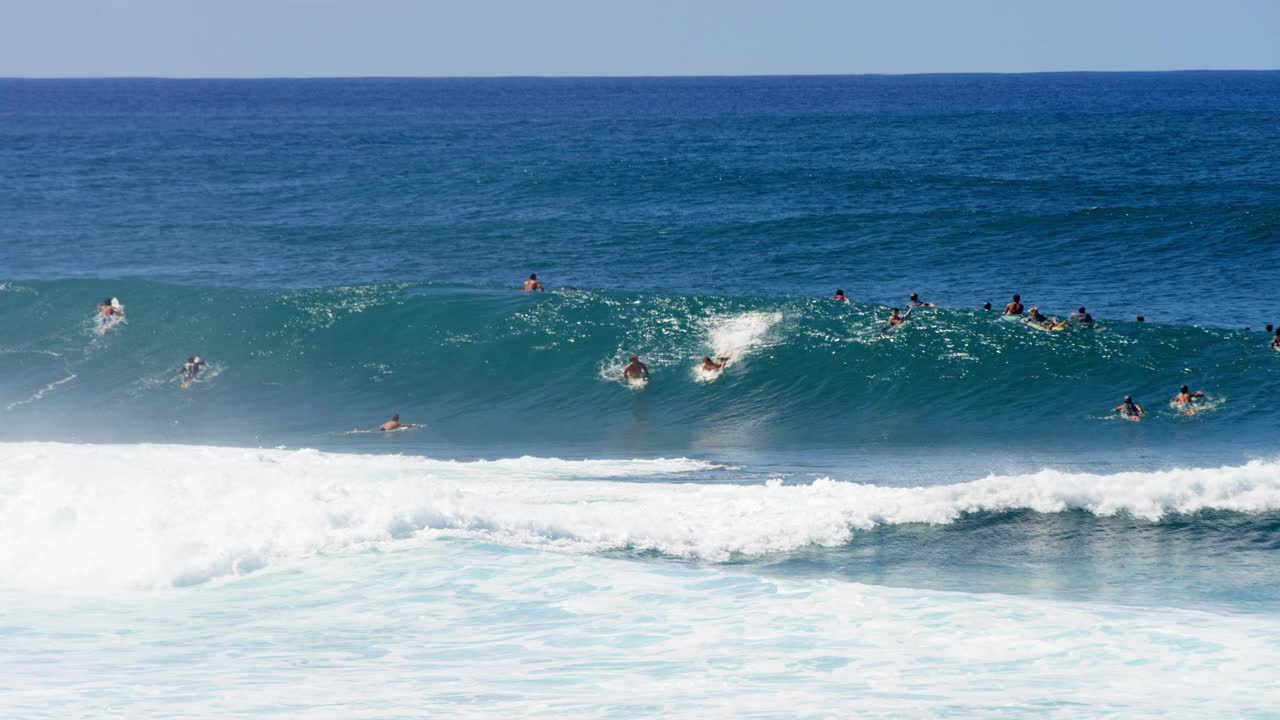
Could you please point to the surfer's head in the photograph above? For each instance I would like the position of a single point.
(1184, 389)
(191, 358)
(894, 311)
(106, 301)
(395, 418)
(986, 306)
(1017, 297)
(1081, 309)
(706, 358)
(533, 276)
(1141, 319)
(839, 292)
(1128, 399)
(635, 358)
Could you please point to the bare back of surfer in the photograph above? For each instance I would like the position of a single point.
(1015, 307)
(1129, 410)
(713, 365)
(392, 424)
(1186, 400)
(635, 370)
(532, 284)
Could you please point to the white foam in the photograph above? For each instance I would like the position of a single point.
(111, 517)
(466, 630)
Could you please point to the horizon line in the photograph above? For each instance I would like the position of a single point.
(633, 77)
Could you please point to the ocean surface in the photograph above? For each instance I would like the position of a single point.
(945, 520)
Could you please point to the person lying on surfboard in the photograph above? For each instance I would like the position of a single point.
(190, 369)
(635, 369)
(1034, 316)
(1275, 341)
(1129, 410)
(1186, 400)
(713, 365)
(916, 302)
(1082, 317)
(532, 284)
(839, 296)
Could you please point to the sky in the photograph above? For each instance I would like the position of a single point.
(332, 38)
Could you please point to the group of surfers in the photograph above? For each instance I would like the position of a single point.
(111, 311)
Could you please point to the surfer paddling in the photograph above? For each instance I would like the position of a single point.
(109, 312)
(532, 284)
(394, 424)
(635, 370)
(916, 302)
(1015, 307)
(1035, 316)
(1129, 410)
(191, 369)
(714, 365)
(839, 296)
(1186, 400)
(1275, 341)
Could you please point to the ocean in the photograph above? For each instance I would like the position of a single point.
(944, 520)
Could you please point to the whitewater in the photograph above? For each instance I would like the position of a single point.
(502, 580)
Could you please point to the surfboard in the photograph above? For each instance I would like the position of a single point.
(1056, 328)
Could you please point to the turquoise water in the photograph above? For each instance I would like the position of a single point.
(944, 520)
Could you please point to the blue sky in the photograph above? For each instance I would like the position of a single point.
(277, 38)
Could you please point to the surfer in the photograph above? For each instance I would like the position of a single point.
(392, 424)
(191, 369)
(635, 370)
(110, 307)
(916, 302)
(533, 284)
(839, 296)
(1034, 316)
(1186, 399)
(1082, 317)
(894, 319)
(1015, 307)
(714, 365)
(1275, 341)
(986, 306)
(1129, 410)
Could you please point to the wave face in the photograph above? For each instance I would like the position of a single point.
(107, 518)
(536, 373)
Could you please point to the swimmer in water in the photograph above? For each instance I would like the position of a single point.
(894, 318)
(1275, 341)
(916, 302)
(1082, 317)
(714, 365)
(532, 284)
(986, 306)
(635, 369)
(1129, 410)
(1015, 307)
(839, 296)
(1186, 399)
(191, 369)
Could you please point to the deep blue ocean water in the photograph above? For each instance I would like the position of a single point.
(339, 250)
